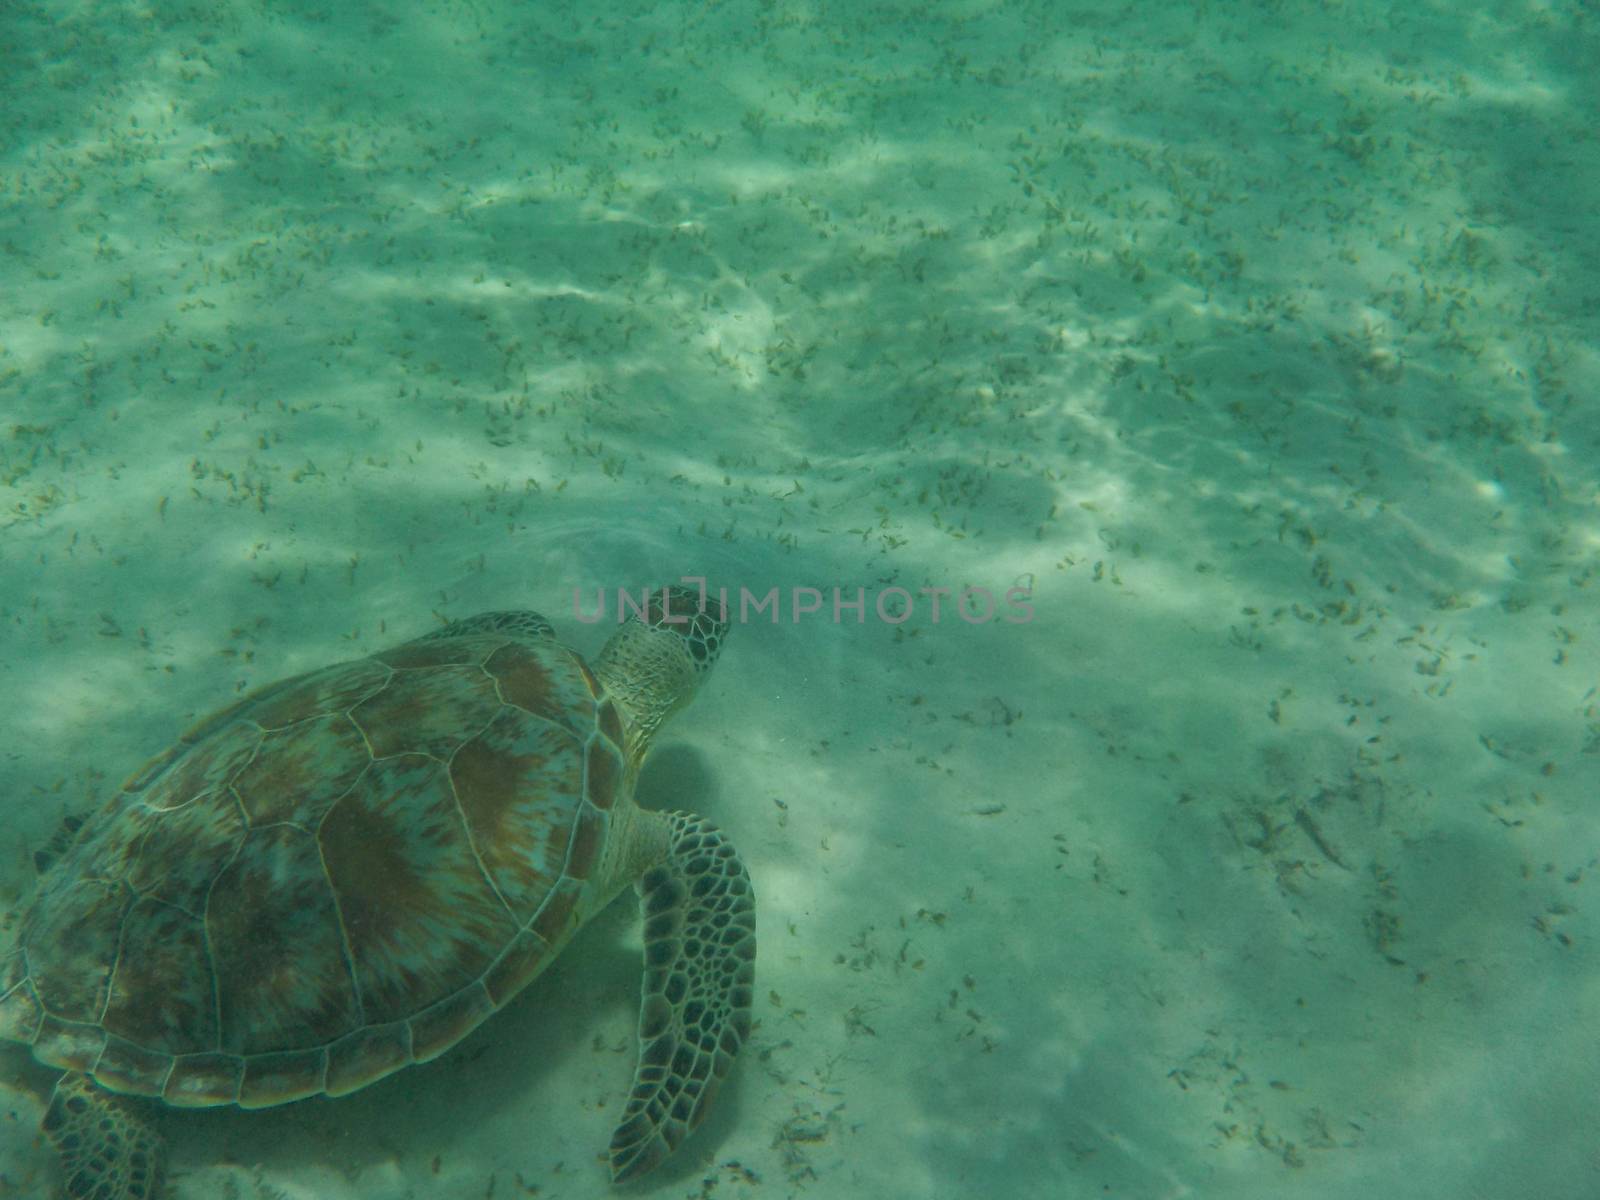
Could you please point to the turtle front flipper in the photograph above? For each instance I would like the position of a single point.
(108, 1152)
(699, 960)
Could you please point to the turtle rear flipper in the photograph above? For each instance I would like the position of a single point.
(108, 1151)
(699, 969)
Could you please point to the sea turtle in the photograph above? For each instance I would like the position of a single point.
(347, 871)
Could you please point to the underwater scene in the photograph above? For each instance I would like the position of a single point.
(778, 598)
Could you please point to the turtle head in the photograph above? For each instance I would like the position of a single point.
(655, 663)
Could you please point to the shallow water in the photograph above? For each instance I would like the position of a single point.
(1256, 341)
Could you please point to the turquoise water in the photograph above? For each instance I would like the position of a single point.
(1256, 343)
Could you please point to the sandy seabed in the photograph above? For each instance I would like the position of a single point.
(1256, 342)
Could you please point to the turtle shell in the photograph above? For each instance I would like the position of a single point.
(340, 875)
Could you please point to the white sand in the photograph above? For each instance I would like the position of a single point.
(1262, 342)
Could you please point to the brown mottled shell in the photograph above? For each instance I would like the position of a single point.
(338, 876)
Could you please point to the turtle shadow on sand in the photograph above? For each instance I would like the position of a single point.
(429, 1111)
(423, 1113)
